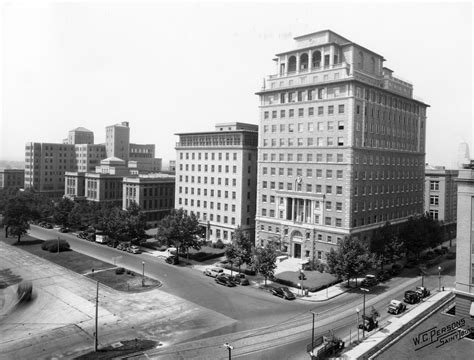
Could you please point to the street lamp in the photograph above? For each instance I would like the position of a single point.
(363, 314)
(230, 348)
(312, 332)
(299, 287)
(357, 311)
(439, 278)
(143, 273)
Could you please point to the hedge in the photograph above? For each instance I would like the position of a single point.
(52, 245)
(201, 256)
(246, 271)
(310, 289)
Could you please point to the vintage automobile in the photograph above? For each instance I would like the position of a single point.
(422, 291)
(213, 272)
(370, 280)
(173, 260)
(284, 293)
(411, 297)
(368, 323)
(396, 307)
(224, 280)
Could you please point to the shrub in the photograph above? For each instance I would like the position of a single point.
(246, 271)
(119, 271)
(52, 245)
(218, 244)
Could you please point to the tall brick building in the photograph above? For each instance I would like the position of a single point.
(341, 147)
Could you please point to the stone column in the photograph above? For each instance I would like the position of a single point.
(297, 63)
(310, 60)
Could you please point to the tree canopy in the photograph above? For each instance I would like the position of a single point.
(265, 261)
(385, 244)
(351, 259)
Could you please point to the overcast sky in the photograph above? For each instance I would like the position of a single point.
(179, 67)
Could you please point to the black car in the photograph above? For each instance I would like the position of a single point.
(241, 279)
(411, 297)
(396, 269)
(48, 226)
(422, 291)
(369, 281)
(64, 229)
(224, 280)
(173, 260)
(284, 293)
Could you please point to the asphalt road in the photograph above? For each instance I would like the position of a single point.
(252, 307)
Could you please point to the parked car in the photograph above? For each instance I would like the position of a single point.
(368, 323)
(214, 272)
(444, 249)
(242, 279)
(396, 307)
(48, 226)
(370, 280)
(383, 276)
(283, 292)
(173, 260)
(224, 280)
(134, 249)
(64, 229)
(396, 269)
(120, 246)
(451, 255)
(422, 291)
(411, 297)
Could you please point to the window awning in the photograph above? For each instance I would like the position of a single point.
(471, 311)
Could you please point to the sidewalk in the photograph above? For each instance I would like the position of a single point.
(396, 326)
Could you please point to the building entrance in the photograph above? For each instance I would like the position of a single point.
(297, 252)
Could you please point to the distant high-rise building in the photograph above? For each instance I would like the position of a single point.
(216, 178)
(117, 141)
(464, 158)
(12, 178)
(341, 147)
(80, 135)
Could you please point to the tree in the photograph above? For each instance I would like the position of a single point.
(232, 255)
(62, 210)
(180, 230)
(420, 233)
(265, 261)
(134, 222)
(385, 244)
(351, 259)
(17, 215)
(240, 252)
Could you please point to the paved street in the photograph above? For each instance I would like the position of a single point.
(257, 323)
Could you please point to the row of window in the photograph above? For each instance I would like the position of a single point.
(205, 156)
(387, 100)
(387, 203)
(381, 217)
(310, 111)
(204, 203)
(329, 173)
(329, 221)
(320, 125)
(290, 142)
(387, 174)
(206, 168)
(318, 188)
(212, 180)
(393, 188)
(387, 160)
(299, 157)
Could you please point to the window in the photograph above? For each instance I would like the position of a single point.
(434, 214)
(265, 115)
(338, 222)
(311, 111)
(328, 189)
(328, 205)
(341, 109)
(339, 206)
(330, 109)
(340, 158)
(320, 110)
(340, 141)
(291, 127)
(327, 221)
(329, 174)
(300, 112)
(282, 113)
(310, 126)
(434, 185)
(340, 125)
(274, 114)
(434, 200)
(338, 190)
(291, 112)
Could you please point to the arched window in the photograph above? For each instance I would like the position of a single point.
(304, 62)
(297, 234)
(316, 59)
(360, 64)
(292, 64)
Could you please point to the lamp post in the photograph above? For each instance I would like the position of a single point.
(439, 278)
(312, 331)
(299, 286)
(357, 311)
(230, 348)
(363, 313)
(143, 273)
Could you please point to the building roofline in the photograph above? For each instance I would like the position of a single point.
(219, 132)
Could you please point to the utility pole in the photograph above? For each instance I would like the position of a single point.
(96, 341)
(58, 245)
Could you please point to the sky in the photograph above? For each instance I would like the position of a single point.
(178, 67)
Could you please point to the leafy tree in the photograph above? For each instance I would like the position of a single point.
(240, 251)
(62, 211)
(17, 215)
(420, 233)
(351, 259)
(134, 223)
(233, 256)
(180, 230)
(265, 261)
(385, 244)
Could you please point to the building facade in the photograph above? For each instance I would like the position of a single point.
(216, 175)
(117, 141)
(154, 193)
(12, 178)
(80, 135)
(341, 147)
(465, 244)
(441, 194)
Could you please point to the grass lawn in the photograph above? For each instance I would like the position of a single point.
(84, 264)
(314, 279)
(207, 249)
(128, 281)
